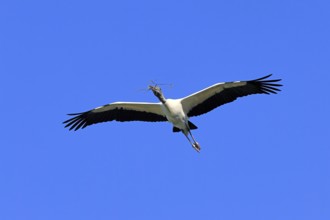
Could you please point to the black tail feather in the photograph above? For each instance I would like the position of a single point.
(190, 124)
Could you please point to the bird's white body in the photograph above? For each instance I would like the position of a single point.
(175, 111)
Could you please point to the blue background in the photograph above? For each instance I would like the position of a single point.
(263, 157)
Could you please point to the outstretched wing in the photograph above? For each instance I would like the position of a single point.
(118, 111)
(221, 93)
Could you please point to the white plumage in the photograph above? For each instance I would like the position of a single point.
(176, 111)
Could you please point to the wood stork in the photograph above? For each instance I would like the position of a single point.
(176, 111)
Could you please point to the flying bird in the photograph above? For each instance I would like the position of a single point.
(175, 111)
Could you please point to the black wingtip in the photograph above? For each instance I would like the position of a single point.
(73, 114)
(76, 122)
(267, 86)
(264, 77)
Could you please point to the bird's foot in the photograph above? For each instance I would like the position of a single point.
(196, 146)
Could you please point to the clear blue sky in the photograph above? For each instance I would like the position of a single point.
(263, 157)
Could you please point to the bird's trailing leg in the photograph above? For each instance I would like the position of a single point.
(194, 144)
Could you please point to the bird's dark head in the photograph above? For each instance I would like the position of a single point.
(157, 92)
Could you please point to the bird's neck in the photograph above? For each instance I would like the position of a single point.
(161, 98)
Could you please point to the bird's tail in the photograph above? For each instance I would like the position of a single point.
(190, 124)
